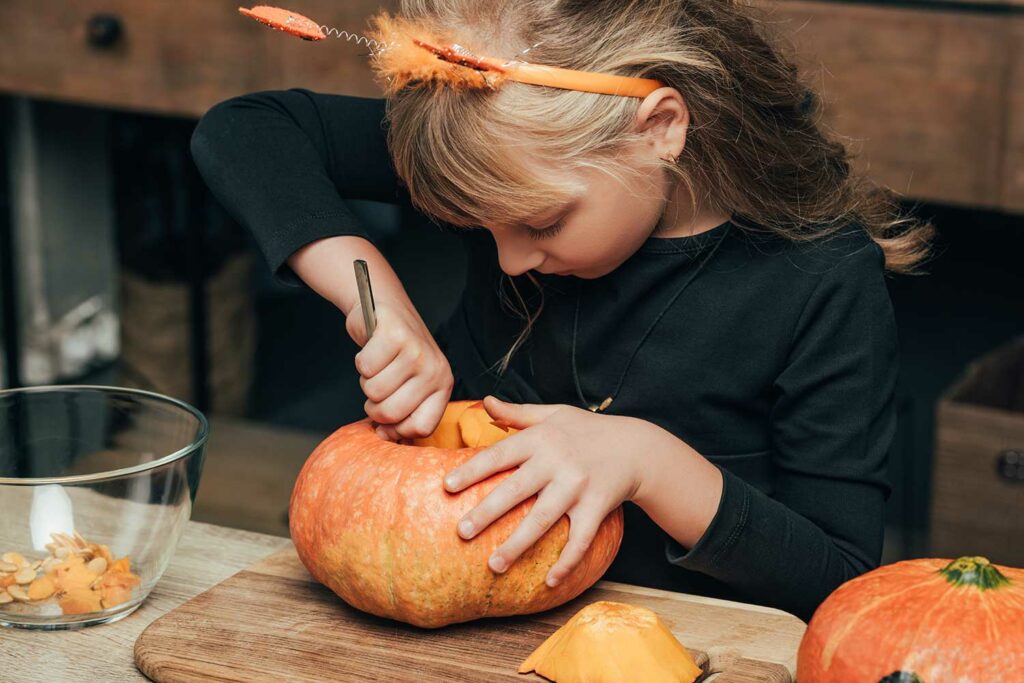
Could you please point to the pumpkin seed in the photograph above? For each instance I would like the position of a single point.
(36, 565)
(19, 593)
(97, 565)
(8, 567)
(14, 558)
(5, 597)
(25, 575)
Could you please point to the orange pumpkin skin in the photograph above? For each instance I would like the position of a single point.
(371, 520)
(942, 621)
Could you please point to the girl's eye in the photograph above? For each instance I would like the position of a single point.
(547, 232)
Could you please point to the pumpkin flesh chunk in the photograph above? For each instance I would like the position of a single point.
(611, 642)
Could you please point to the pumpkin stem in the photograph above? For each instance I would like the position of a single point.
(974, 571)
(902, 677)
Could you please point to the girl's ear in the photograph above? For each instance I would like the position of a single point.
(663, 119)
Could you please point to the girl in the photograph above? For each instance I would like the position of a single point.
(700, 327)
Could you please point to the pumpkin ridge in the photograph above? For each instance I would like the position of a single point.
(489, 597)
(388, 540)
(991, 621)
(924, 621)
(829, 648)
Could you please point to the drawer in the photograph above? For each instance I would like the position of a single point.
(175, 57)
(920, 93)
(1013, 164)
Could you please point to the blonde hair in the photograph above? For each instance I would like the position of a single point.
(755, 146)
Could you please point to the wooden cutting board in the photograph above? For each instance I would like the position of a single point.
(273, 622)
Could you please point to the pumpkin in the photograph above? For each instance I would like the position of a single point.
(611, 642)
(370, 519)
(920, 621)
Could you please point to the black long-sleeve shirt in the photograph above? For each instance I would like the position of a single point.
(777, 363)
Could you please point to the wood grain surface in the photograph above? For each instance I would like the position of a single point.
(174, 57)
(921, 97)
(206, 554)
(974, 511)
(273, 622)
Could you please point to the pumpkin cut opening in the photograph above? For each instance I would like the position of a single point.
(466, 425)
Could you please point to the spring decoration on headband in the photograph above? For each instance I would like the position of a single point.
(408, 54)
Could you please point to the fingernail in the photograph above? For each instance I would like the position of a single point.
(465, 528)
(497, 564)
(552, 582)
(449, 483)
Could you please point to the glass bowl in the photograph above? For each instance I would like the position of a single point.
(96, 486)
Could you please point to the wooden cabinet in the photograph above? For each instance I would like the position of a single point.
(921, 94)
(931, 98)
(1012, 171)
(171, 56)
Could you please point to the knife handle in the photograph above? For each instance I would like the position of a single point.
(365, 296)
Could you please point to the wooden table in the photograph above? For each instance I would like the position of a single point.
(209, 554)
(206, 556)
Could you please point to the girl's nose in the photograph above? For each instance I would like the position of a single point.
(517, 254)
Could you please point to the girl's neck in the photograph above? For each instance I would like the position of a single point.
(681, 220)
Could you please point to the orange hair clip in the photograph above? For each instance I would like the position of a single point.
(407, 53)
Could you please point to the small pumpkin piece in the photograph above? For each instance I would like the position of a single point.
(122, 566)
(73, 573)
(42, 588)
(115, 589)
(80, 601)
(612, 642)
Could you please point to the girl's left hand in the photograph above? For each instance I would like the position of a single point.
(580, 464)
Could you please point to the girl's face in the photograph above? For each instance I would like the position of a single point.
(591, 235)
(612, 215)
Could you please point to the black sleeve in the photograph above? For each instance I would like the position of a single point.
(283, 164)
(832, 424)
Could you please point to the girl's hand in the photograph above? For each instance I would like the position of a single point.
(406, 378)
(580, 463)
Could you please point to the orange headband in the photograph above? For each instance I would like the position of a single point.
(407, 53)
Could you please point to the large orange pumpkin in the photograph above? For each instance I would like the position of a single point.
(371, 520)
(920, 621)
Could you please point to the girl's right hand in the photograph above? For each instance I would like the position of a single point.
(405, 376)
